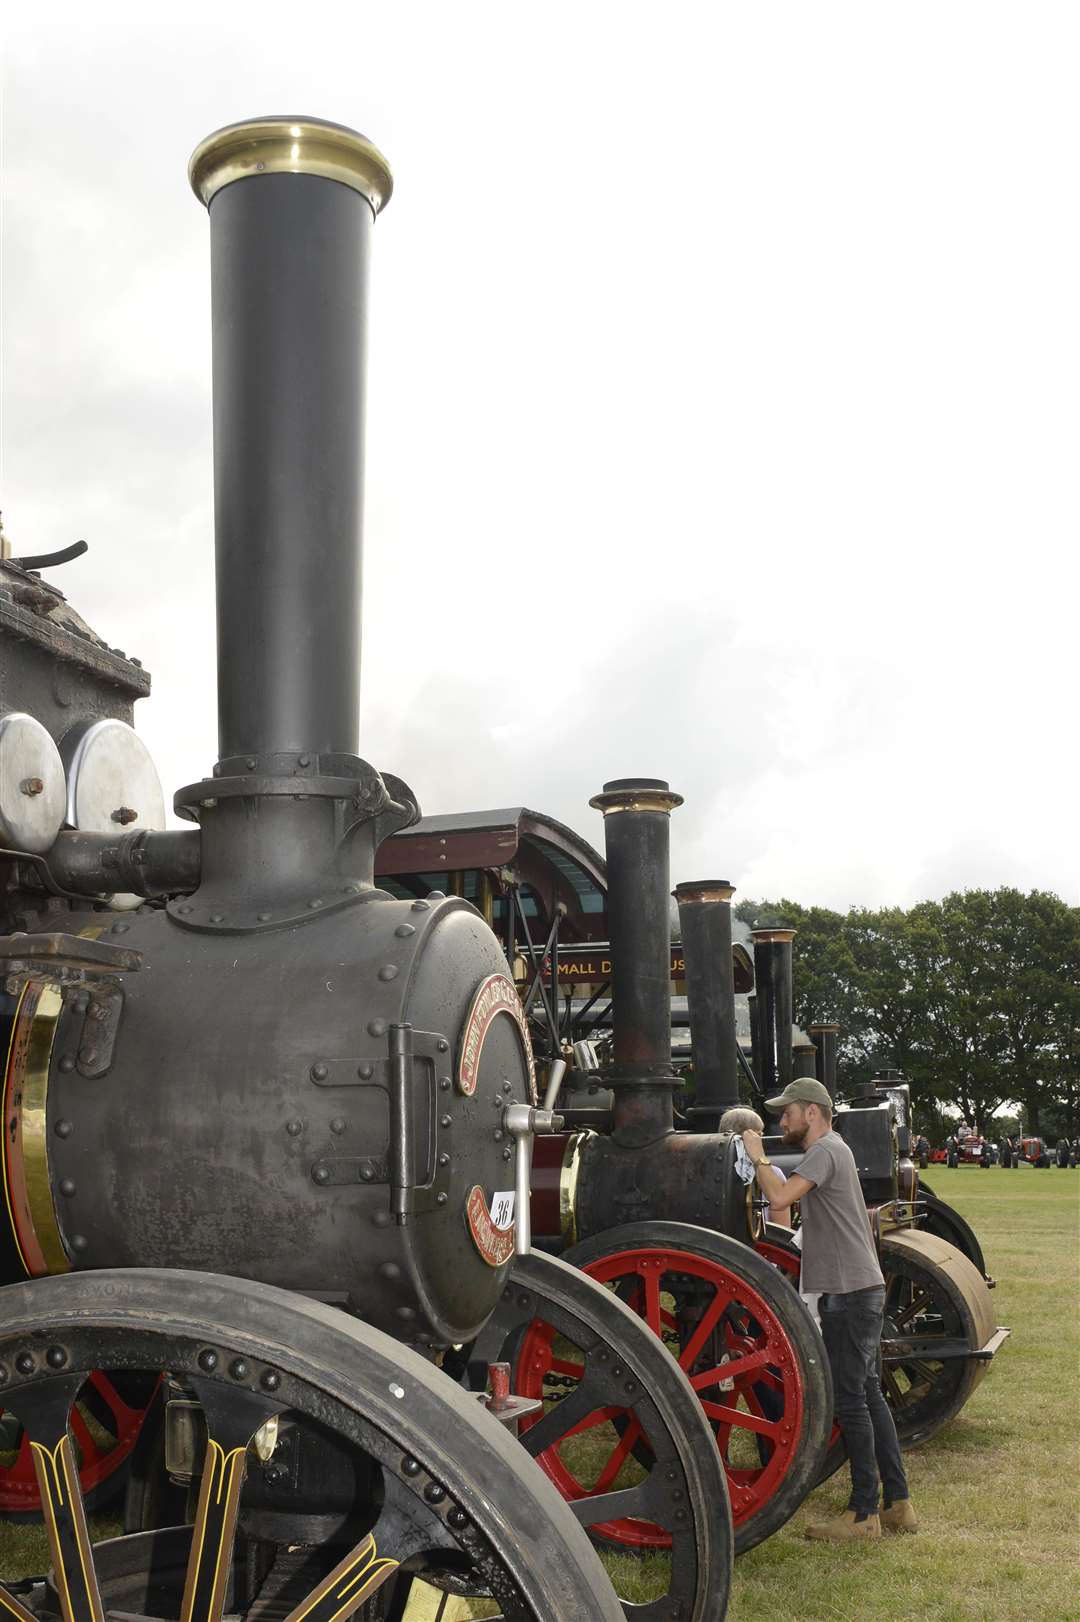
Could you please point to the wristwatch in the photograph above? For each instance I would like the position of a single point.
(763, 1161)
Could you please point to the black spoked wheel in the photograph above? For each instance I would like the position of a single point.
(749, 1347)
(333, 1471)
(620, 1432)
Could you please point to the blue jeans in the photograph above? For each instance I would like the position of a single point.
(851, 1330)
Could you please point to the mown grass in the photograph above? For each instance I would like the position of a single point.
(998, 1491)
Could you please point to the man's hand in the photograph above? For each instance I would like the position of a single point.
(752, 1143)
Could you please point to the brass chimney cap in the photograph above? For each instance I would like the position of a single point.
(295, 146)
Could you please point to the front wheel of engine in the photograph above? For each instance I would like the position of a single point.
(749, 1346)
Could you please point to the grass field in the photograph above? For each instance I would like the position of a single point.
(998, 1491)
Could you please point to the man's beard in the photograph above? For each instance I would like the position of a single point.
(796, 1139)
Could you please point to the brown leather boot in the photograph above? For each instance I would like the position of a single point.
(900, 1517)
(844, 1528)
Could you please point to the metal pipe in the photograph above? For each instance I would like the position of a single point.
(150, 863)
(804, 1060)
(637, 813)
(827, 1038)
(773, 985)
(705, 919)
(291, 204)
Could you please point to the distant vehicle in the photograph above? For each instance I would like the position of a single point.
(970, 1149)
(1067, 1153)
(1035, 1151)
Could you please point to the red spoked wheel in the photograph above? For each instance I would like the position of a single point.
(749, 1348)
(105, 1426)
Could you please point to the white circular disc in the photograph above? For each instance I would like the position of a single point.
(109, 775)
(31, 785)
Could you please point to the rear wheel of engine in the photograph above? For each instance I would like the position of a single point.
(749, 1347)
(338, 1473)
(621, 1432)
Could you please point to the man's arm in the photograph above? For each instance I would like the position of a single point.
(780, 1192)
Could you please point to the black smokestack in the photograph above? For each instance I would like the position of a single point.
(705, 917)
(292, 203)
(637, 814)
(827, 1038)
(773, 985)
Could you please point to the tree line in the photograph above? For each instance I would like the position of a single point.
(975, 998)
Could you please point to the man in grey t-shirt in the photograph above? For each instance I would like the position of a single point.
(839, 1259)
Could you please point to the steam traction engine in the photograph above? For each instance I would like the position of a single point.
(228, 1051)
(662, 1215)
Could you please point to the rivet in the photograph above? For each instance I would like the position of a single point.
(680, 1515)
(338, 1124)
(270, 1380)
(24, 1363)
(445, 1120)
(442, 1045)
(320, 1071)
(365, 1071)
(458, 1519)
(434, 1493)
(444, 1083)
(616, 1370)
(388, 971)
(120, 929)
(208, 1360)
(436, 895)
(381, 1219)
(320, 1174)
(294, 1128)
(630, 1388)
(440, 1198)
(367, 1174)
(508, 1154)
(63, 1129)
(303, 760)
(250, 763)
(390, 1270)
(217, 917)
(403, 931)
(497, 1134)
(524, 1300)
(78, 1241)
(444, 1159)
(376, 1027)
(506, 1086)
(56, 1357)
(420, 906)
(67, 1063)
(410, 1466)
(67, 1187)
(186, 908)
(238, 1369)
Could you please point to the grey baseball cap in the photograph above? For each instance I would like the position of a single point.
(801, 1091)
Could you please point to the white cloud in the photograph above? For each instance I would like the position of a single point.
(721, 394)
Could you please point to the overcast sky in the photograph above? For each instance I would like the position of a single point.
(722, 407)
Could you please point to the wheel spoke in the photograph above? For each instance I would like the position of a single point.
(618, 1458)
(706, 1324)
(631, 1503)
(741, 1419)
(575, 1413)
(10, 1608)
(920, 1300)
(352, 1581)
(729, 1371)
(652, 1301)
(563, 1365)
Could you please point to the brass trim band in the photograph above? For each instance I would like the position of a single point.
(704, 892)
(773, 934)
(650, 800)
(568, 1181)
(35, 1140)
(295, 146)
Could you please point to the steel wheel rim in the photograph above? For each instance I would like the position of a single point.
(769, 1360)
